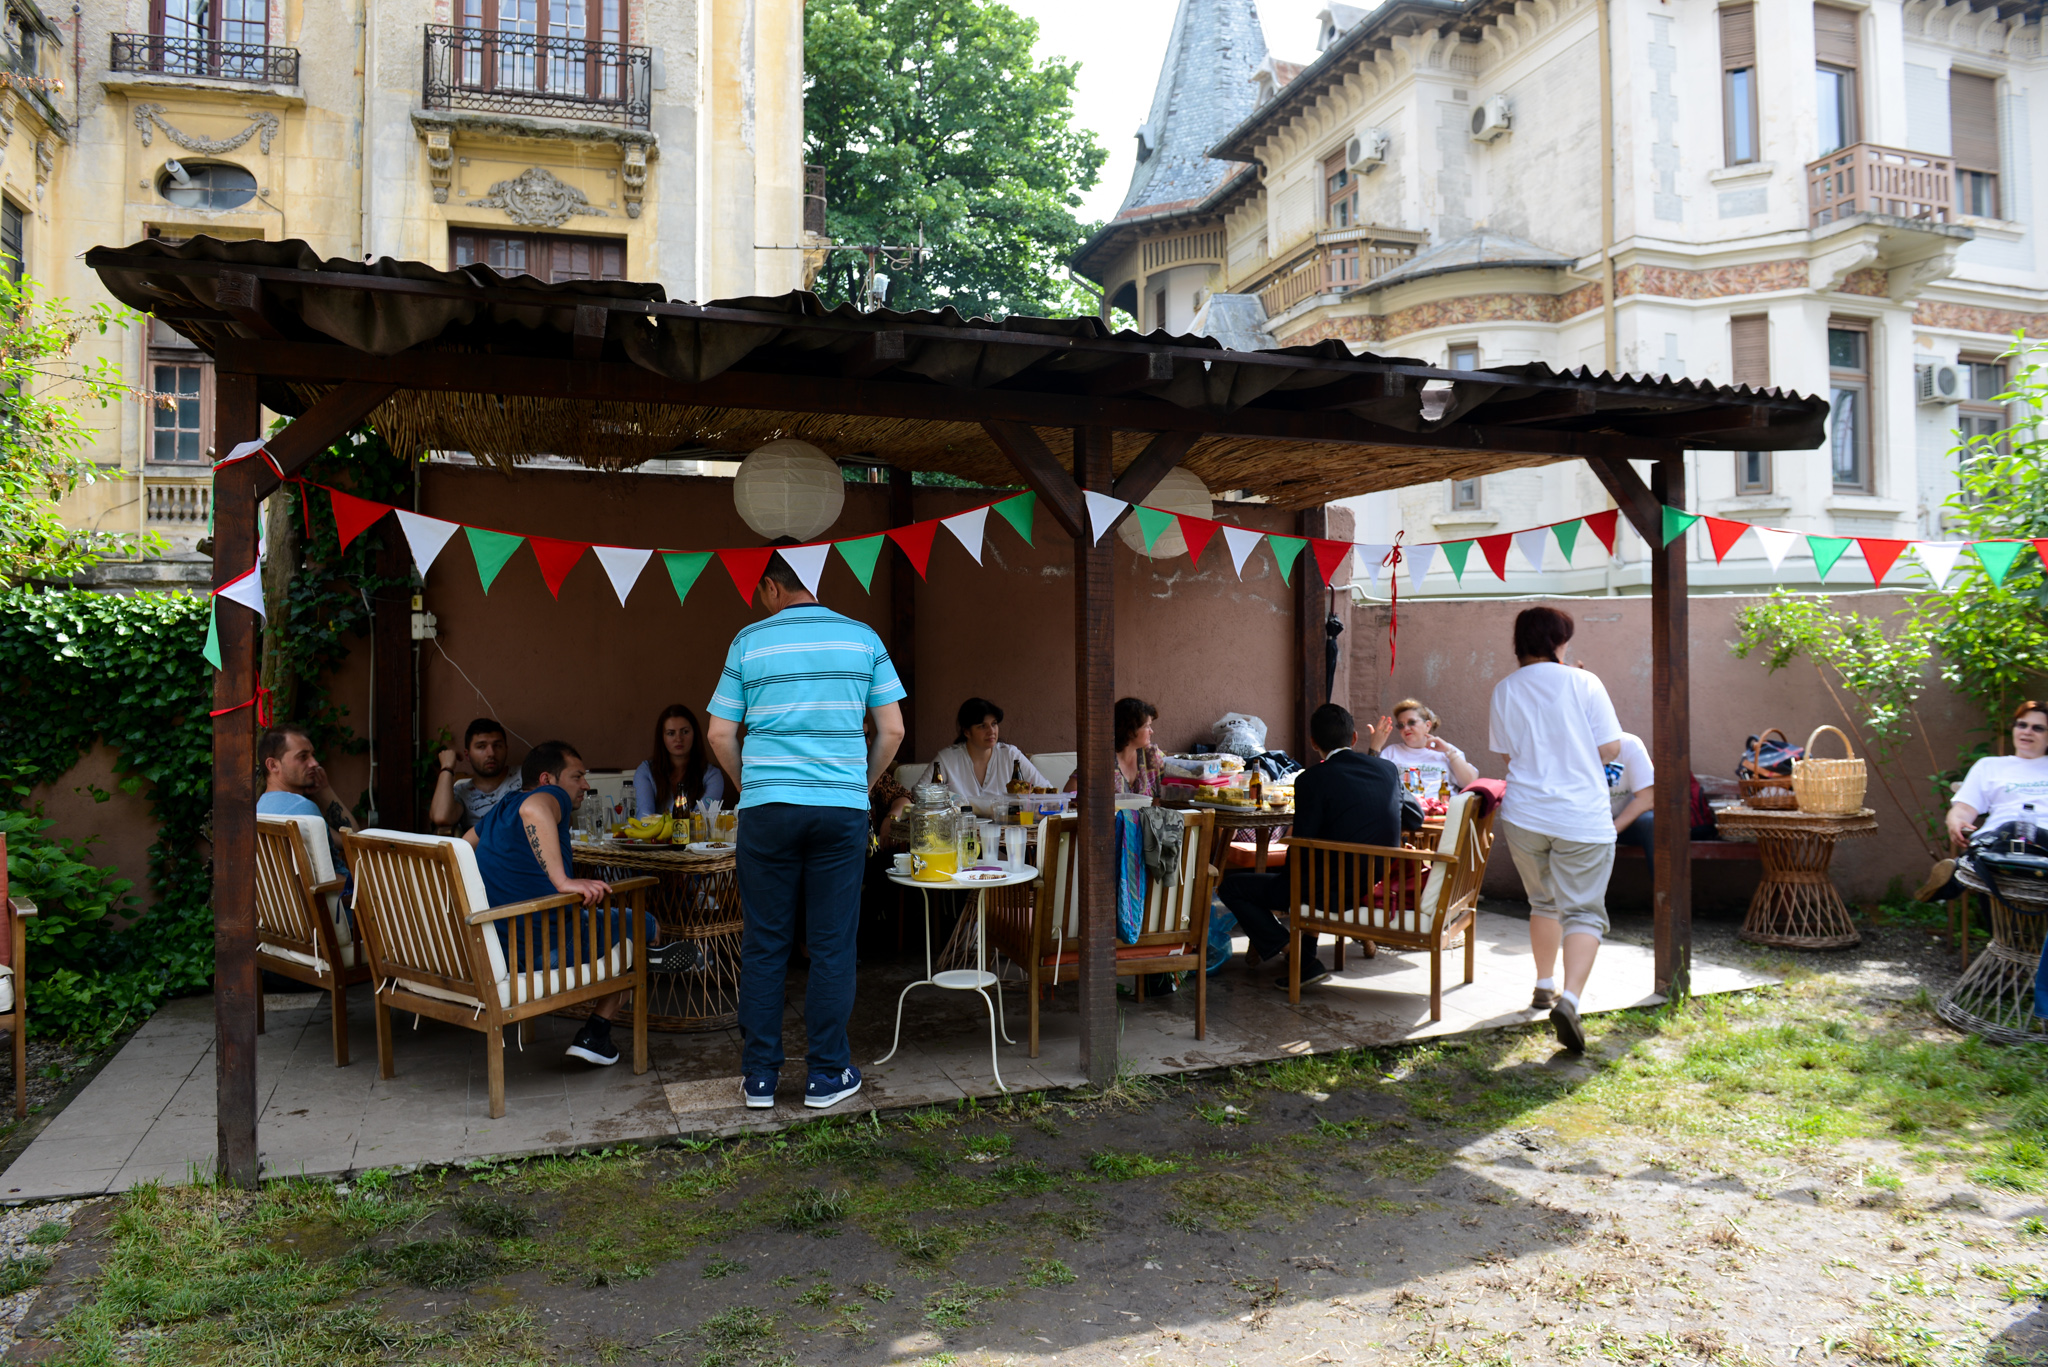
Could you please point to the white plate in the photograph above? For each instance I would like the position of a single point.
(710, 847)
(981, 876)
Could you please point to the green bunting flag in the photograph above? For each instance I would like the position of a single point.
(1997, 556)
(1826, 551)
(1152, 522)
(1286, 550)
(1567, 537)
(860, 557)
(683, 569)
(1676, 521)
(1018, 512)
(212, 648)
(1455, 553)
(492, 550)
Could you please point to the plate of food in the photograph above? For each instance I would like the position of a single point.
(985, 874)
(711, 847)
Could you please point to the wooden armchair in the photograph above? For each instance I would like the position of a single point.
(13, 984)
(1370, 894)
(434, 950)
(1038, 925)
(302, 930)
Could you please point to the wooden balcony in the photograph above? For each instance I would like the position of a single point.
(1335, 262)
(1864, 178)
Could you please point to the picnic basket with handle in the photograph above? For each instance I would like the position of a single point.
(1829, 787)
(1762, 791)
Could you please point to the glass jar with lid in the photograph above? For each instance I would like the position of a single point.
(934, 833)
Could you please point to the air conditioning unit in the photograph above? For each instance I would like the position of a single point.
(1938, 384)
(1492, 119)
(1368, 151)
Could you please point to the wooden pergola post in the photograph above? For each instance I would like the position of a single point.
(1308, 627)
(903, 606)
(1095, 739)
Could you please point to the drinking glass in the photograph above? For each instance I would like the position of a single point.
(1013, 846)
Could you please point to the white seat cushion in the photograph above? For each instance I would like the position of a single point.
(319, 856)
(6, 989)
(312, 961)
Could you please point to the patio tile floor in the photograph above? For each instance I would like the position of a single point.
(149, 1115)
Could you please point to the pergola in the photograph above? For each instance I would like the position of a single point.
(613, 373)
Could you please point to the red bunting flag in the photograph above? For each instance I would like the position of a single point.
(1724, 534)
(1602, 525)
(1196, 531)
(746, 568)
(916, 541)
(2041, 548)
(1330, 557)
(556, 559)
(1880, 554)
(353, 516)
(1495, 548)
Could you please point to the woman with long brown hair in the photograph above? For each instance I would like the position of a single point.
(680, 763)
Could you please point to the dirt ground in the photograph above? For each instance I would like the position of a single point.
(1819, 1172)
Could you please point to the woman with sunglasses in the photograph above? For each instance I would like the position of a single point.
(1416, 745)
(2002, 788)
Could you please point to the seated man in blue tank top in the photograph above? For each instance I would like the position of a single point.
(522, 853)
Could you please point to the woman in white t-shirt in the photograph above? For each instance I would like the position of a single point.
(1416, 745)
(1630, 776)
(1557, 729)
(2002, 788)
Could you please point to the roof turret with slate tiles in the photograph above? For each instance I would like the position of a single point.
(1205, 89)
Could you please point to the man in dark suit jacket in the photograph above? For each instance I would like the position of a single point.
(1350, 796)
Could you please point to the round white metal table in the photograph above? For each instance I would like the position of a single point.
(977, 979)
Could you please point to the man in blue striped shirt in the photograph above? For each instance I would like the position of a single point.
(803, 682)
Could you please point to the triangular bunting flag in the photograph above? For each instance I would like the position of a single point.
(425, 536)
(492, 550)
(683, 569)
(1103, 511)
(1604, 525)
(1676, 521)
(970, 527)
(1938, 558)
(241, 449)
(1330, 557)
(210, 652)
(622, 565)
(1495, 549)
(1997, 556)
(1531, 544)
(245, 588)
(1286, 550)
(1153, 523)
(1775, 544)
(1455, 555)
(1196, 532)
(1018, 512)
(1241, 541)
(1372, 559)
(1724, 533)
(556, 559)
(808, 562)
(1419, 559)
(1880, 554)
(860, 556)
(916, 541)
(353, 515)
(746, 566)
(1567, 538)
(2041, 549)
(1826, 551)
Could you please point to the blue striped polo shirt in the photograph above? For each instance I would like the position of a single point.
(802, 681)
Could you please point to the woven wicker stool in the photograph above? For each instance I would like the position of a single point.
(1796, 905)
(698, 899)
(1995, 998)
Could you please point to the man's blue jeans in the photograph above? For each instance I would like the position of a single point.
(793, 857)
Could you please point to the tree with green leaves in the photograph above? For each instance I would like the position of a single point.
(936, 125)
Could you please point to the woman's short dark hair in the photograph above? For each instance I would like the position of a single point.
(972, 713)
(1131, 714)
(1540, 633)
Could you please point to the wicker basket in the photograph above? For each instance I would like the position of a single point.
(1829, 787)
(1771, 792)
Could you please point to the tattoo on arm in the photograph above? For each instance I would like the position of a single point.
(337, 815)
(533, 841)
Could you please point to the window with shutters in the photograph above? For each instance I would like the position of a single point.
(1738, 85)
(1340, 210)
(545, 256)
(1981, 416)
(1836, 57)
(13, 239)
(1973, 134)
(1849, 397)
(1749, 342)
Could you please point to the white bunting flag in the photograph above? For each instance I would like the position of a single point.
(970, 526)
(1242, 541)
(1370, 558)
(1938, 558)
(1103, 511)
(246, 589)
(426, 536)
(1531, 544)
(1419, 559)
(623, 564)
(808, 562)
(1775, 544)
(241, 450)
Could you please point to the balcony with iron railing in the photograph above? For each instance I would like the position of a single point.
(1864, 178)
(506, 72)
(155, 54)
(1335, 262)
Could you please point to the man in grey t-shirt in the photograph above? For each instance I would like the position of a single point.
(460, 803)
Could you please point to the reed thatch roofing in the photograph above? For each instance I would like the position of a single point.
(612, 373)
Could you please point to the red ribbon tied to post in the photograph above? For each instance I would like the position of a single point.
(1392, 560)
(261, 702)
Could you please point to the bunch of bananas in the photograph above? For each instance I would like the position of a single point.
(651, 827)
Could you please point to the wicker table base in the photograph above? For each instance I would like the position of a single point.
(1796, 905)
(1995, 997)
(698, 899)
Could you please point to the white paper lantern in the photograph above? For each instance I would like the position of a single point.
(789, 488)
(1179, 492)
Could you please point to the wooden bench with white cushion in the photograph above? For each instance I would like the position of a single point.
(302, 928)
(14, 983)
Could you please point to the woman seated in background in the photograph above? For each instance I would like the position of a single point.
(680, 766)
(979, 765)
(1139, 763)
(1416, 745)
(1630, 777)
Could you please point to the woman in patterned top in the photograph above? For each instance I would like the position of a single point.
(1139, 763)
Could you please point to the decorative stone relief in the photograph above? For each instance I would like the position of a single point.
(263, 126)
(46, 159)
(440, 160)
(537, 199)
(633, 174)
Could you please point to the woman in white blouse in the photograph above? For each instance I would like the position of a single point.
(979, 765)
